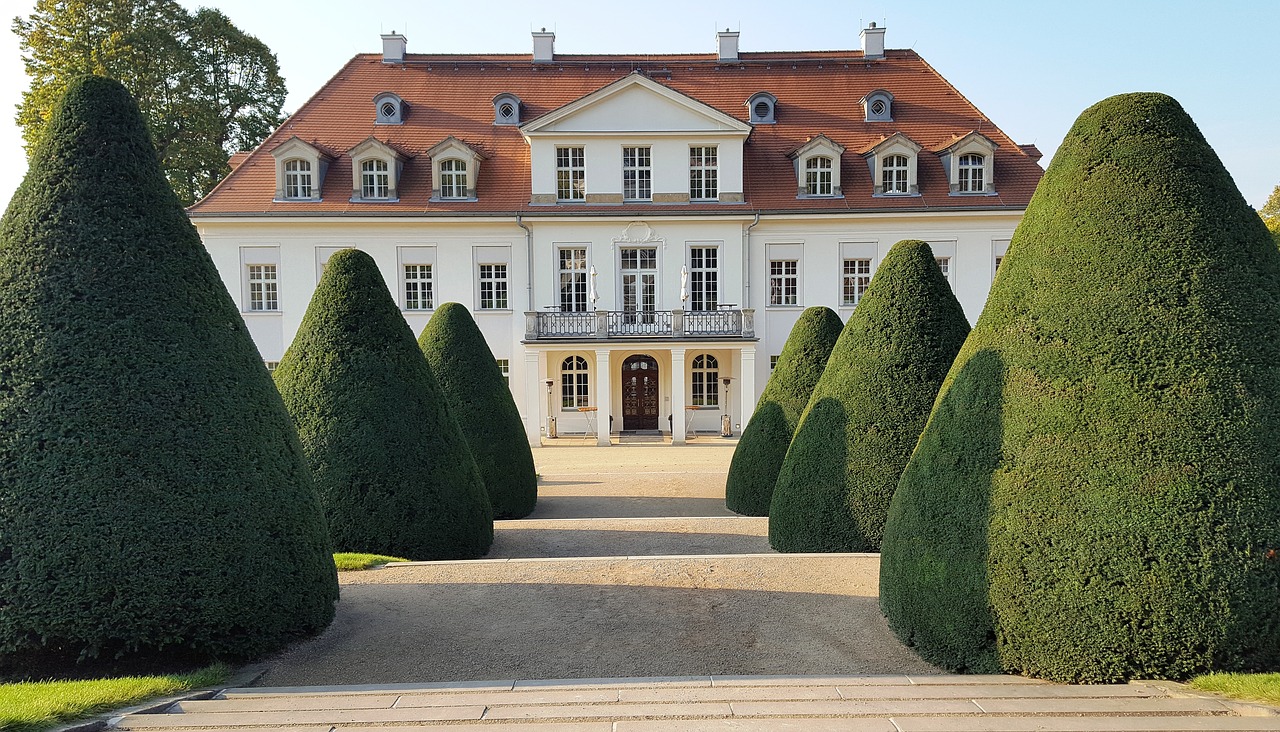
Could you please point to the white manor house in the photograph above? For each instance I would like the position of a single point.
(634, 234)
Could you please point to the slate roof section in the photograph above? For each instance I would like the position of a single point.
(817, 93)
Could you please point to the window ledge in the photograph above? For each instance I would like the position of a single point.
(501, 311)
(415, 311)
(895, 195)
(296, 200)
(821, 197)
(261, 313)
(797, 306)
(440, 199)
(961, 194)
(373, 200)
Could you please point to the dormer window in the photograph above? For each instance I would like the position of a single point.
(818, 168)
(390, 109)
(878, 106)
(893, 163)
(375, 168)
(969, 163)
(762, 105)
(455, 170)
(453, 178)
(297, 179)
(893, 175)
(300, 170)
(375, 179)
(506, 109)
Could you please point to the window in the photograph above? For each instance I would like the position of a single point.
(704, 184)
(271, 365)
(262, 287)
(390, 108)
(857, 276)
(704, 287)
(418, 293)
(998, 261)
(706, 379)
(504, 368)
(297, 179)
(878, 106)
(493, 287)
(573, 280)
(453, 179)
(375, 180)
(894, 175)
(773, 363)
(971, 174)
(639, 282)
(783, 282)
(506, 109)
(817, 176)
(637, 174)
(571, 175)
(944, 264)
(573, 383)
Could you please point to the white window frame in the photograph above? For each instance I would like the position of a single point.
(575, 276)
(784, 275)
(704, 280)
(704, 173)
(299, 180)
(575, 383)
(256, 286)
(817, 177)
(375, 179)
(973, 167)
(571, 174)
(637, 173)
(504, 368)
(895, 175)
(704, 375)
(494, 277)
(418, 287)
(647, 298)
(855, 278)
(453, 179)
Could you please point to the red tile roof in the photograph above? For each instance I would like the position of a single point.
(817, 93)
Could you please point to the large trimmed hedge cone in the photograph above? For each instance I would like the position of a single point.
(155, 506)
(758, 456)
(391, 466)
(481, 401)
(868, 409)
(1097, 495)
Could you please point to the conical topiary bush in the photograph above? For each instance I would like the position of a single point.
(868, 409)
(479, 398)
(1104, 485)
(392, 468)
(758, 456)
(154, 500)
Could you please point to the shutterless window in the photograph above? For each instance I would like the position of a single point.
(704, 286)
(297, 179)
(706, 377)
(375, 180)
(418, 291)
(894, 175)
(773, 363)
(817, 176)
(573, 280)
(704, 183)
(271, 365)
(944, 264)
(453, 179)
(971, 174)
(504, 367)
(784, 284)
(574, 388)
(637, 174)
(263, 294)
(857, 276)
(493, 287)
(571, 174)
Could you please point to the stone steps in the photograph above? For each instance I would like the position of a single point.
(637, 536)
(924, 703)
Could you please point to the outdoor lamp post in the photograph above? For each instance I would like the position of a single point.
(551, 420)
(726, 424)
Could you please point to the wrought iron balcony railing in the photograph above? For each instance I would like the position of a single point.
(606, 324)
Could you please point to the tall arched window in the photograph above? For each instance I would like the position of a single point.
(453, 179)
(971, 174)
(894, 174)
(297, 179)
(375, 180)
(573, 382)
(817, 176)
(706, 377)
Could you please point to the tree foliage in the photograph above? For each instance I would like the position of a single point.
(868, 409)
(481, 401)
(1270, 213)
(393, 470)
(1096, 496)
(758, 456)
(206, 88)
(154, 499)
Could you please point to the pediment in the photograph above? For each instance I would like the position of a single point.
(635, 104)
(296, 146)
(897, 142)
(964, 143)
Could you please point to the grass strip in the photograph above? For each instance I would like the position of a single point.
(1251, 687)
(353, 562)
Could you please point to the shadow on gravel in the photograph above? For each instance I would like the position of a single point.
(525, 543)
(556, 507)
(459, 632)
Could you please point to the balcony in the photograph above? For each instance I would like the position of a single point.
(726, 322)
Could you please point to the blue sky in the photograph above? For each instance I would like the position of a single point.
(1030, 66)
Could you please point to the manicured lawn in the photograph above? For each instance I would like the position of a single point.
(1251, 687)
(37, 705)
(350, 562)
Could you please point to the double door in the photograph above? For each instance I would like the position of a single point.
(640, 393)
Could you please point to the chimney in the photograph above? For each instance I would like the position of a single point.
(873, 42)
(544, 47)
(727, 46)
(393, 45)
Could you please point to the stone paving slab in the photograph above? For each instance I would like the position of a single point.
(1077, 724)
(773, 724)
(277, 719)
(604, 537)
(1158, 705)
(854, 708)
(611, 711)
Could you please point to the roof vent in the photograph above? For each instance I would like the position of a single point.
(506, 109)
(727, 46)
(873, 42)
(544, 47)
(393, 47)
(762, 106)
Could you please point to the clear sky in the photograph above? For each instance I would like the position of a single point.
(1030, 66)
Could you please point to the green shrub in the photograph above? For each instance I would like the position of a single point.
(1101, 474)
(868, 409)
(391, 466)
(154, 500)
(479, 398)
(758, 456)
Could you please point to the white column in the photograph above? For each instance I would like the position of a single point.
(747, 388)
(535, 399)
(604, 402)
(679, 376)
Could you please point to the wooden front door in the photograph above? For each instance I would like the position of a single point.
(640, 393)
